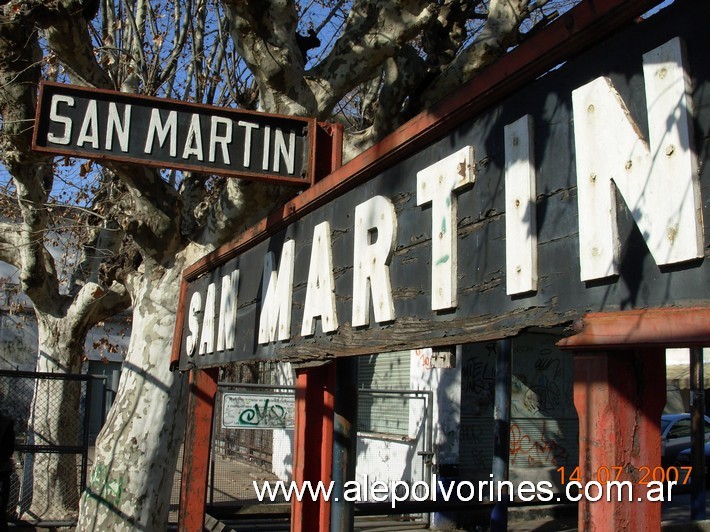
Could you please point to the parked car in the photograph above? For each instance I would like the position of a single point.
(675, 436)
(683, 459)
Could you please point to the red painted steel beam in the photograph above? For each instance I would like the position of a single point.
(179, 320)
(327, 400)
(619, 395)
(666, 327)
(196, 454)
(299, 448)
(313, 444)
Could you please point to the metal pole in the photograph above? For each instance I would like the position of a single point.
(202, 389)
(215, 416)
(501, 432)
(342, 513)
(697, 400)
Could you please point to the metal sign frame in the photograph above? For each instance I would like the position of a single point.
(108, 126)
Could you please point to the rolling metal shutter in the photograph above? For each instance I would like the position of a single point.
(383, 413)
(544, 426)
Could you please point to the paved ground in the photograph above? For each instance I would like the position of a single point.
(678, 523)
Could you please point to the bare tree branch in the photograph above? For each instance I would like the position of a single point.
(375, 32)
(264, 33)
(402, 75)
(19, 77)
(181, 25)
(67, 34)
(500, 31)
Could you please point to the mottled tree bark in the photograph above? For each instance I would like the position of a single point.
(136, 452)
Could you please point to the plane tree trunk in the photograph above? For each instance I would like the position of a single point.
(54, 421)
(136, 451)
(65, 307)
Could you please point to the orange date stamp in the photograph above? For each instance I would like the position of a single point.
(603, 474)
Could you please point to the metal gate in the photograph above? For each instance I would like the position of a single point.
(396, 447)
(51, 415)
(243, 453)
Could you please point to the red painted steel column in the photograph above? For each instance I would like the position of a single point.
(196, 454)
(313, 444)
(619, 396)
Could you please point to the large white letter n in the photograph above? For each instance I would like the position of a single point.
(658, 180)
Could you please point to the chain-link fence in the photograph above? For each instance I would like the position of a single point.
(51, 421)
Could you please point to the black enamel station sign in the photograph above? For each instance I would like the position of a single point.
(587, 190)
(164, 133)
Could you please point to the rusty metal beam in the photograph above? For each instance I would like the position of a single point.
(619, 397)
(313, 444)
(177, 333)
(664, 327)
(196, 455)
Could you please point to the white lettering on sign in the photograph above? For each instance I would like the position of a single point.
(206, 139)
(267, 147)
(193, 323)
(658, 180)
(193, 144)
(277, 292)
(223, 140)
(54, 116)
(227, 328)
(436, 185)
(248, 128)
(156, 126)
(207, 337)
(226, 323)
(89, 131)
(374, 238)
(121, 128)
(520, 225)
(320, 291)
(281, 151)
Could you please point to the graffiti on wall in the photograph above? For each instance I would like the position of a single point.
(542, 379)
(257, 411)
(537, 446)
(543, 431)
(105, 487)
(478, 379)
